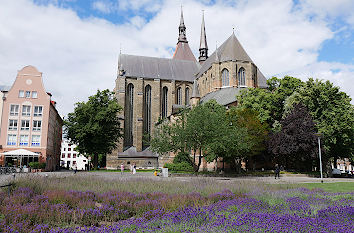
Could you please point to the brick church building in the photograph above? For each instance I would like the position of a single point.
(151, 88)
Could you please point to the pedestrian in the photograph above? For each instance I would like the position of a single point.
(75, 168)
(277, 171)
(121, 168)
(134, 168)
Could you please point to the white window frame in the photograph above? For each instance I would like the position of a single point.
(34, 94)
(36, 142)
(28, 110)
(24, 142)
(25, 127)
(13, 107)
(13, 124)
(35, 126)
(37, 113)
(11, 142)
(21, 94)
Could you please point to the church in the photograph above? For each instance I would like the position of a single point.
(150, 89)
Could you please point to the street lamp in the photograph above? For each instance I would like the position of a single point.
(319, 152)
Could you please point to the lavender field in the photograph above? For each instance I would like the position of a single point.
(58, 205)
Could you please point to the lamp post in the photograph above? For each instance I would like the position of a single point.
(319, 153)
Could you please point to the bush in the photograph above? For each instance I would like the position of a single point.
(34, 165)
(183, 166)
(42, 165)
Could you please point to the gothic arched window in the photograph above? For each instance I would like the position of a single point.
(187, 96)
(147, 116)
(241, 77)
(179, 96)
(164, 102)
(225, 78)
(128, 118)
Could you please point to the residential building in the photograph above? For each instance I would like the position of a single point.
(30, 121)
(70, 157)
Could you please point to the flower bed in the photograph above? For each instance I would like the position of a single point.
(288, 210)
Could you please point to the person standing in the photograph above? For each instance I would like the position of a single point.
(121, 168)
(134, 168)
(277, 171)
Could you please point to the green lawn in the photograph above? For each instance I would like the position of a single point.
(338, 187)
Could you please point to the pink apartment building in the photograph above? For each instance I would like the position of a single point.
(30, 121)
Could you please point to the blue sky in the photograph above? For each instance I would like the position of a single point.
(76, 43)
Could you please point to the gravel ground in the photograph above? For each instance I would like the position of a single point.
(5, 179)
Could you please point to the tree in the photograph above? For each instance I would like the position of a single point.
(231, 143)
(269, 103)
(333, 114)
(192, 130)
(257, 132)
(94, 125)
(295, 146)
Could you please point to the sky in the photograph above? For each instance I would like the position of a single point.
(76, 43)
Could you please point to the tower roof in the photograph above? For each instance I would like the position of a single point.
(183, 51)
(203, 40)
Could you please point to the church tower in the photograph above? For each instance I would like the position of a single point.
(203, 47)
(183, 51)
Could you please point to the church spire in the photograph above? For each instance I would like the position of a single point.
(203, 48)
(182, 29)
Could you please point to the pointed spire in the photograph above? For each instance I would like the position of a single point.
(182, 29)
(203, 47)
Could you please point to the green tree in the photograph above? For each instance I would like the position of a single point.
(269, 103)
(94, 125)
(257, 132)
(333, 114)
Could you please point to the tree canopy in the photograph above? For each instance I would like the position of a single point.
(204, 129)
(94, 125)
(295, 145)
(333, 114)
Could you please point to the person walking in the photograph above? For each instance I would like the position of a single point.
(75, 168)
(277, 171)
(121, 168)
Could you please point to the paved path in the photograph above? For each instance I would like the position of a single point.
(5, 179)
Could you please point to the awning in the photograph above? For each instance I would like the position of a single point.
(20, 152)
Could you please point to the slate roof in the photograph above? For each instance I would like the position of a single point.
(230, 50)
(158, 68)
(262, 81)
(184, 52)
(223, 96)
(132, 153)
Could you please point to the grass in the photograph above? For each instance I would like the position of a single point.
(337, 187)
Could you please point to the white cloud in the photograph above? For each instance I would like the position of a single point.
(104, 7)
(146, 5)
(78, 56)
